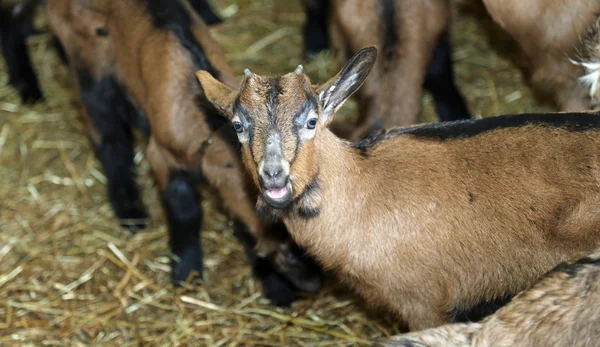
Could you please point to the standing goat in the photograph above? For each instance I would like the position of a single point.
(132, 61)
(427, 221)
(560, 310)
(559, 38)
(16, 23)
(413, 36)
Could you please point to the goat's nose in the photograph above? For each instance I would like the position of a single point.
(272, 171)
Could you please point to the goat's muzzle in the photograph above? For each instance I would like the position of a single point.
(278, 196)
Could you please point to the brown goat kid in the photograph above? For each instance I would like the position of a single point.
(426, 221)
(560, 310)
(553, 35)
(413, 37)
(16, 24)
(132, 61)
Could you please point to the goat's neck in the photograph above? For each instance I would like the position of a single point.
(339, 164)
(331, 234)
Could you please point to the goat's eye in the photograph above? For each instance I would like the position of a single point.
(312, 123)
(238, 127)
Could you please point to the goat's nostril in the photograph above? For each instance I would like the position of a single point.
(272, 172)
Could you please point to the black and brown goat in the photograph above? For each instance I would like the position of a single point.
(559, 38)
(16, 23)
(132, 61)
(413, 37)
(426, 221)
(560, 310)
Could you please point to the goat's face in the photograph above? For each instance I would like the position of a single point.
(277, 119)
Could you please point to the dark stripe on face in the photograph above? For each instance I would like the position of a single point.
(272, 98)
(297, 148)
(473, 127)
(300, 119)
(242, 112)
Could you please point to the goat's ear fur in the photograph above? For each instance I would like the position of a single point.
(333, 93)
(217, 93)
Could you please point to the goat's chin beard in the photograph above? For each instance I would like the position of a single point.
(270, 212)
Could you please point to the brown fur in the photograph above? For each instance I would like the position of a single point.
(392, 94)
(559, 310)
(155, 70)
(423, 226)
(550, 32)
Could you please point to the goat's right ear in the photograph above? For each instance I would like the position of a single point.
(217, 93)
(333, 93)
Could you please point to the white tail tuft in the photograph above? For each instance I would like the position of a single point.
(590, 61)
(591, 79)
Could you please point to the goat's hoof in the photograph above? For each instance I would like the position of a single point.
(29, 93)
(133, 218)
(186, 264)
(279, 291)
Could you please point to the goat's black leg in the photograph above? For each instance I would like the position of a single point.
(113, 143)
(203, 8)
(275, 287)
(315, 31)
(439, 80)
(60, 50)
(183, 210)
(13, 32)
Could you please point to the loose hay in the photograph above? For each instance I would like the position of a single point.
(70, 276)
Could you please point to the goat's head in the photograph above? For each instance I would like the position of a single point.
(277, 119)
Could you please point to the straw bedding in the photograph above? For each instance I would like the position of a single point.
(70, 276)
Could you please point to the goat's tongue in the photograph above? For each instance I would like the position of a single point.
(277, 193)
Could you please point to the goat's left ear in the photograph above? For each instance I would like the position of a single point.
(333, 93)
(219, 94)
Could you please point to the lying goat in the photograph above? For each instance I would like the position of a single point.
(560, 310)
(427, 221)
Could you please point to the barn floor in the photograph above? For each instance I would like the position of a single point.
(70, 276)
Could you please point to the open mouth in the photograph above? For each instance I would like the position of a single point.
(279, 197)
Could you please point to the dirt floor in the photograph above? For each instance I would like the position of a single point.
(70, 276)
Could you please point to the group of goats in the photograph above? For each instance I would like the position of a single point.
(436, 223)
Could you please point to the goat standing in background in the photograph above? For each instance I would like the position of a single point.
(132, 61)
(557, 38)
(16, 23)
(414, 40)
(427, 221)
